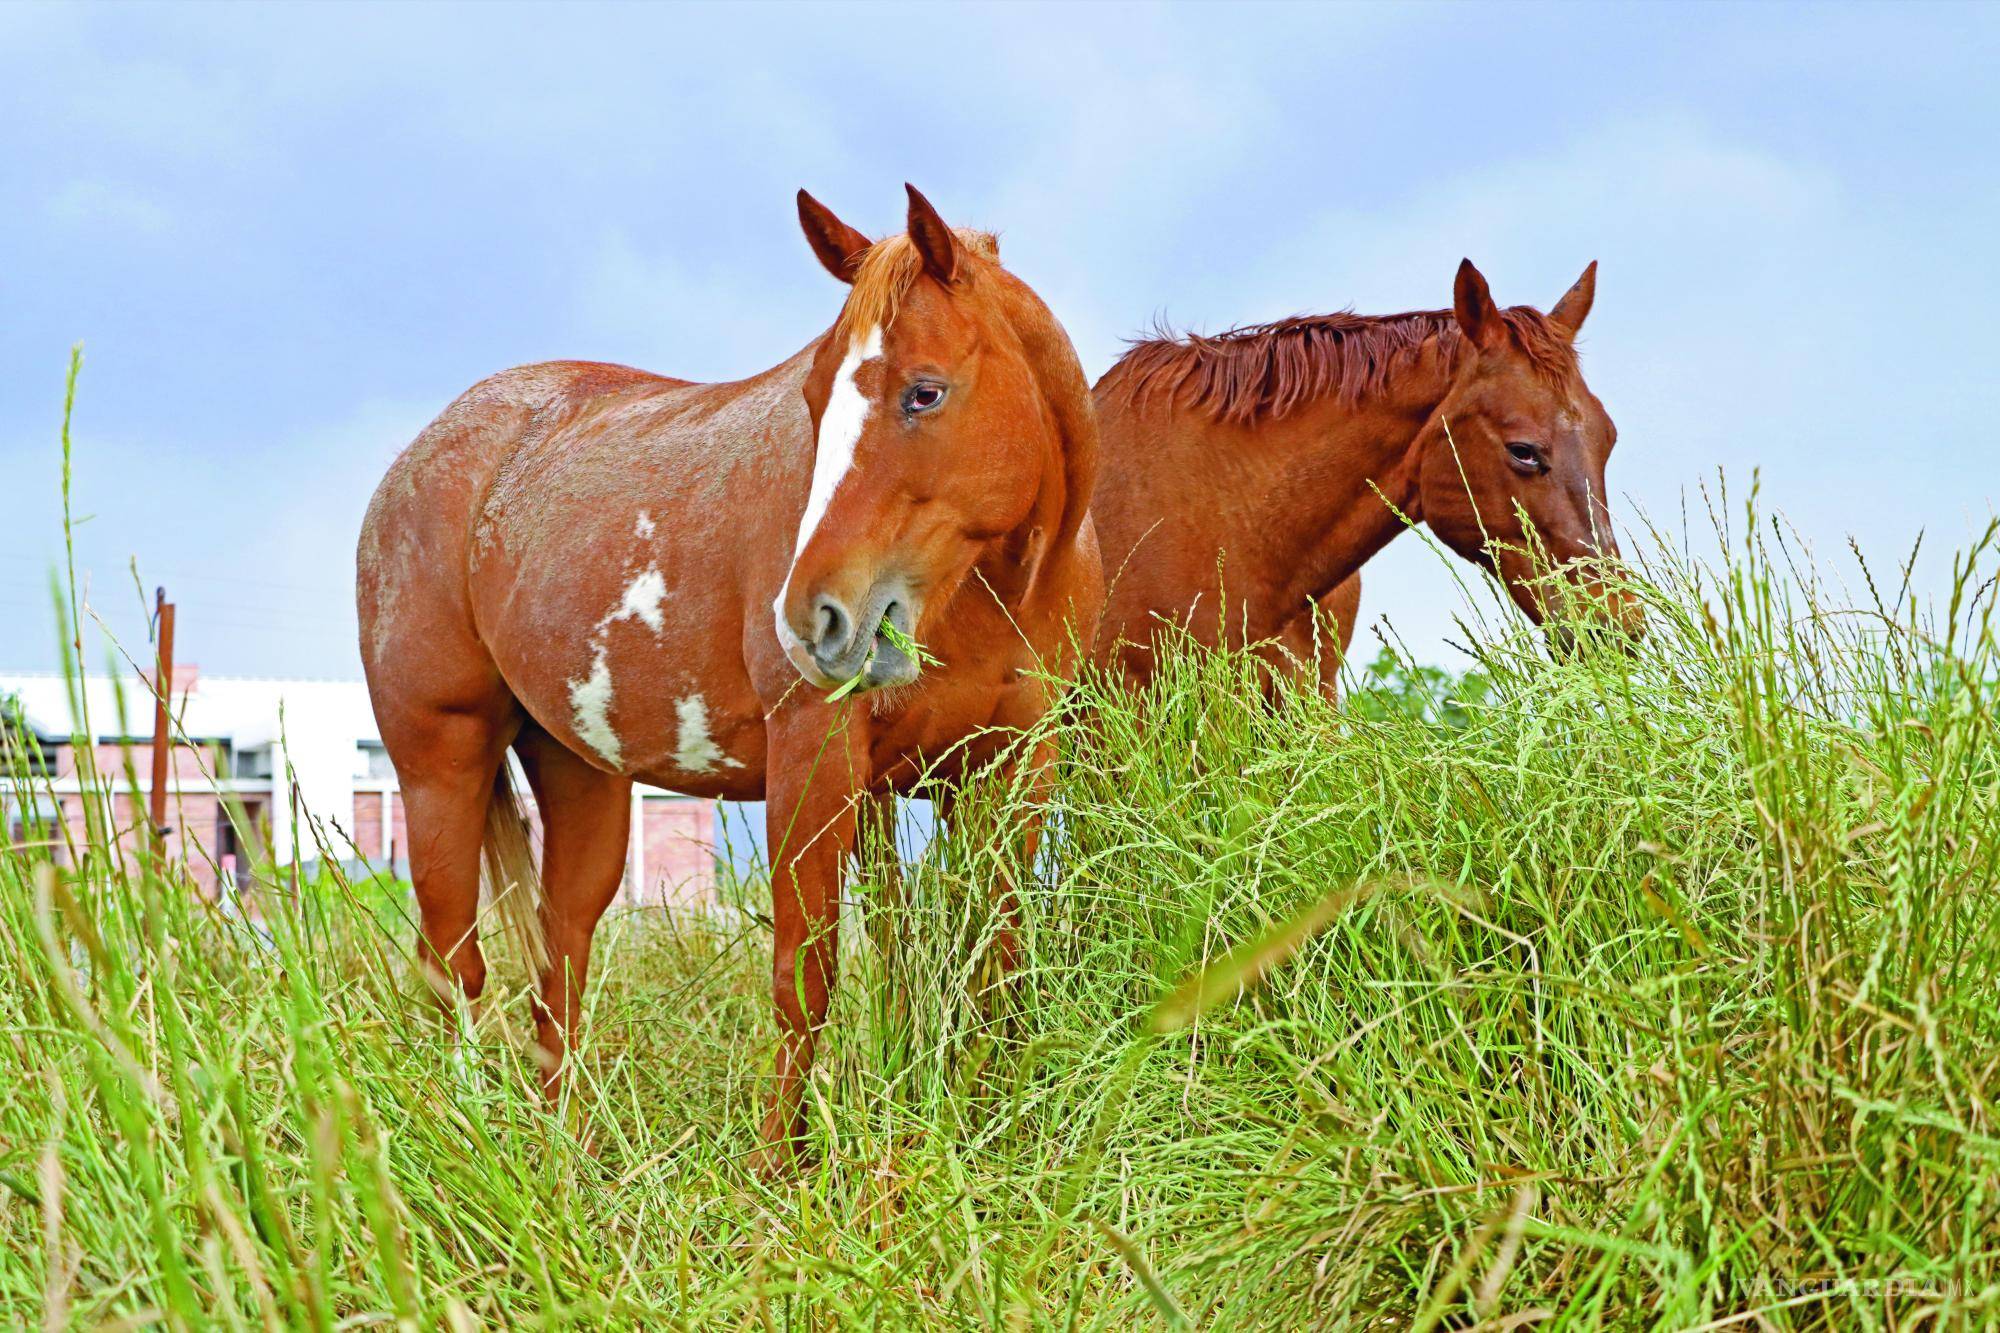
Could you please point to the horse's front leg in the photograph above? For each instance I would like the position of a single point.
(1021, 823)
(816, 778)
(881, 866)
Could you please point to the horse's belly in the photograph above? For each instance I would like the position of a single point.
(626, 645)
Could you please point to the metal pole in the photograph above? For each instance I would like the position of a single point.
(163, 687)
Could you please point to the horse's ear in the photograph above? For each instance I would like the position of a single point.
(1569, 313)
(933, 238)
(1472, 305)
(838, 245)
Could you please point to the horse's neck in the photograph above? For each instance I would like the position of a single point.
(1035, 563)
(1032, 571)
(1345, 480)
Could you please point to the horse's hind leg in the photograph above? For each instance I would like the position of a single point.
(586, 821)
(447, 762)
(1339, 614)
(1309, 649)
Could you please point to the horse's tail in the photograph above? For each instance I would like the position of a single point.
(513, 885)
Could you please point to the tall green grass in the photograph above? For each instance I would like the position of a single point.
(1657, 989)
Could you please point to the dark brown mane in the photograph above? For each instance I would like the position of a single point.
(1267, 370)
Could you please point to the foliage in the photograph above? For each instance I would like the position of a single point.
(1394, 686)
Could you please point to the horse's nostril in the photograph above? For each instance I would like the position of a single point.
(832, 625)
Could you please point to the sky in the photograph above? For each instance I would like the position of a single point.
(288, 236)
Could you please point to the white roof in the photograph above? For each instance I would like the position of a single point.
(242, 709)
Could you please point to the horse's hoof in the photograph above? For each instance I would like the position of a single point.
(783, 1157)
(777, 1163)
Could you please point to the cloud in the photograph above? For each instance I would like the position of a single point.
(266, 219)
(108, 206)
(679, 315)
(253, 540)
(1652, 188)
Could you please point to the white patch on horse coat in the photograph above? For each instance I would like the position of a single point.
(695, 750)
(839, 431)
(642, 599)
(590, 709)
(590, 698)
(644, 527)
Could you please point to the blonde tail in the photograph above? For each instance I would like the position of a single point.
(513, 886)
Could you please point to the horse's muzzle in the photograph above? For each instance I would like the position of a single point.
(842, 642)
(1606, 615)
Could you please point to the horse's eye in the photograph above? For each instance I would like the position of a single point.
(1526, 456)
(922, 397)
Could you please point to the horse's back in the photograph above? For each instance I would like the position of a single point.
(440, 476)
(597, 544)
(703, 456)
(412, 556)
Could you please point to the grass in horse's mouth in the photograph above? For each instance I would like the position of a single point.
(903, 643)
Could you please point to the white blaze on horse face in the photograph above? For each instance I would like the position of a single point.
(839, 432)
(833, 457)
(694, 749)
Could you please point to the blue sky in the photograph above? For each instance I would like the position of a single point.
(288, 236)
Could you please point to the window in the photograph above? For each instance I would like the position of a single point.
(21, 750)
(374, 761)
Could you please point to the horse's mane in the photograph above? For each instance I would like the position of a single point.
(1267, 370)
(887, 272)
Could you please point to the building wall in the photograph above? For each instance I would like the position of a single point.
(189, 763)
(318, 742)
(194, 828)
(673, 864)
(670, 857)
(368, 824)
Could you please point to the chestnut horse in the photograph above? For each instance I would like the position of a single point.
(1248, 465)
(624, 578)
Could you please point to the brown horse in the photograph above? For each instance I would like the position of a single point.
(1248, 465)
(584, 561)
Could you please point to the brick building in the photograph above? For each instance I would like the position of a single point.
(267, 768)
